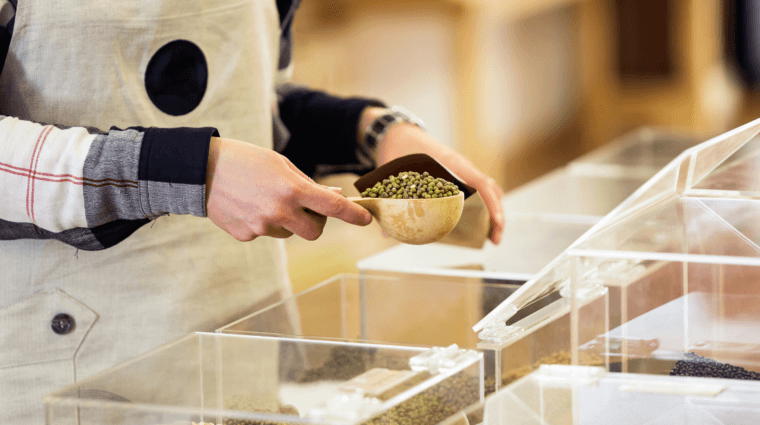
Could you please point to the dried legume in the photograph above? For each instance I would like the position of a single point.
(702, 367)
(411, 185)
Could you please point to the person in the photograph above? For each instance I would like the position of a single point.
(111, 241)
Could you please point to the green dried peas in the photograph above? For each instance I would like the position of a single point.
(428, 407)
(411, 185)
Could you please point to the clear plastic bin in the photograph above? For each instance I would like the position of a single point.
(682, 268)
(236, 379)
(561, 395)
(426, 310)
(669, 282)
(683, 281)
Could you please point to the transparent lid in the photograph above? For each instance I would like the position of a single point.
(684, 229)
(700, 207)
(640, 153)
(245, 379)
(556, 394)
(570, 196)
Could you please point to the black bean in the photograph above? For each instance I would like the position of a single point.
(703, 367)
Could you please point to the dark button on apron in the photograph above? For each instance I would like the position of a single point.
(176, 77)
(62, 324)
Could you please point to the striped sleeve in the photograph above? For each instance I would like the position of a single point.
(91, 189)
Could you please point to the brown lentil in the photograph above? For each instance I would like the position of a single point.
(434, 404)
(426, 408)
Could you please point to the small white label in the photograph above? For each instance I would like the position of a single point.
(703, 390)
(376, 381)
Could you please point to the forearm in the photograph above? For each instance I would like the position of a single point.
(400, 132)
(92, 189)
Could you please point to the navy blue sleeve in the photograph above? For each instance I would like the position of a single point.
(175, 155)
(320, 130)
(7, 19)
(323, 132)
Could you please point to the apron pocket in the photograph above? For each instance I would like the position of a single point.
(39, 336)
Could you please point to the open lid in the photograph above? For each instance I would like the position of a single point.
(692, 174)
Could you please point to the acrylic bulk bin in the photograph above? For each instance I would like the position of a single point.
(673, 273)
(229, 379)
(424, 311)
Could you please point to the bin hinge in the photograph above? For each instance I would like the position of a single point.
(436, 360)
(587, 292)
(499, 332)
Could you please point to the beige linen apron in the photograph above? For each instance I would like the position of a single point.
(83, 63)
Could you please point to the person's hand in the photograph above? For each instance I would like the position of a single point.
(253, 191)
(406, 139)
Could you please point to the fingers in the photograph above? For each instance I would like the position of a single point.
(498, 229)
(247, 234)
(323, 201)
(328, 202)
(492, 195)
(306, 224)
(279, 233)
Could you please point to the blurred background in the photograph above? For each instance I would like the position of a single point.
(522, 87)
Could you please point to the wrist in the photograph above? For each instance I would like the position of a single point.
(406, 139)
(377, 122)
(369, 115)
(214, 150)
